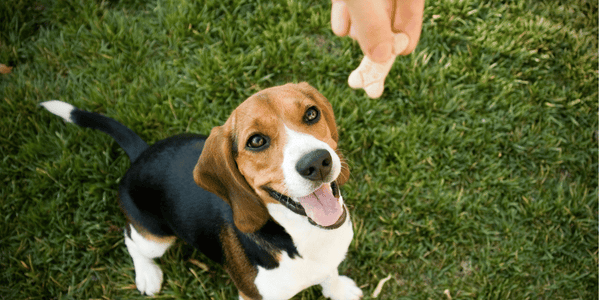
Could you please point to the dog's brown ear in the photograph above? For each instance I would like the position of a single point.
(217, 172)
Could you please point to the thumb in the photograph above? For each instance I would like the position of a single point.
(371, 27)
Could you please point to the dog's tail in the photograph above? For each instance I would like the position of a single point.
(125, 137)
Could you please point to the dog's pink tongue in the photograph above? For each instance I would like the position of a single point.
(321, 206)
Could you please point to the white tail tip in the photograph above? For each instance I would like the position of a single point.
(59, 108)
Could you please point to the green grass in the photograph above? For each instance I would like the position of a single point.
(476, 172)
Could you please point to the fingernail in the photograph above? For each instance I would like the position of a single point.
(382, 52)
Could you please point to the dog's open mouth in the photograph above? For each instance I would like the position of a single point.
(322, 206)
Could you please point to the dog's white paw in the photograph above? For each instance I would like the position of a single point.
(342, 288)
(148, 277)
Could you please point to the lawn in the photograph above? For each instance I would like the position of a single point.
(474, 176)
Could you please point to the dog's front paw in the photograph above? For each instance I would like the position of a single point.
(148, 278)
(342, 288)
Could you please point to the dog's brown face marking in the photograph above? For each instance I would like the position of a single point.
(261, 121)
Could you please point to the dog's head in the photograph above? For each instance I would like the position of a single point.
(279, 146)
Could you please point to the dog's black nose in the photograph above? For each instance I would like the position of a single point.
(315, 165)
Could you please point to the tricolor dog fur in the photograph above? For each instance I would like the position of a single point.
(260, 195)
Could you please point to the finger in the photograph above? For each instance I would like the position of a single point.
(370, 22)
(408, 18)
(340, 18)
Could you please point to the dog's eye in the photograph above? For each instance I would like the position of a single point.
(257, 142)
(311, 115)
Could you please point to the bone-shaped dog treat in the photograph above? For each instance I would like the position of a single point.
(370, 75)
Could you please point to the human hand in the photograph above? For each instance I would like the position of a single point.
(383, 29)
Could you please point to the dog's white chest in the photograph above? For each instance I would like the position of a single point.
(321, 251)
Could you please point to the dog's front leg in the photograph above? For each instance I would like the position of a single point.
(339, 287)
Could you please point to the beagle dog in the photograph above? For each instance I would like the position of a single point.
(260, 195)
